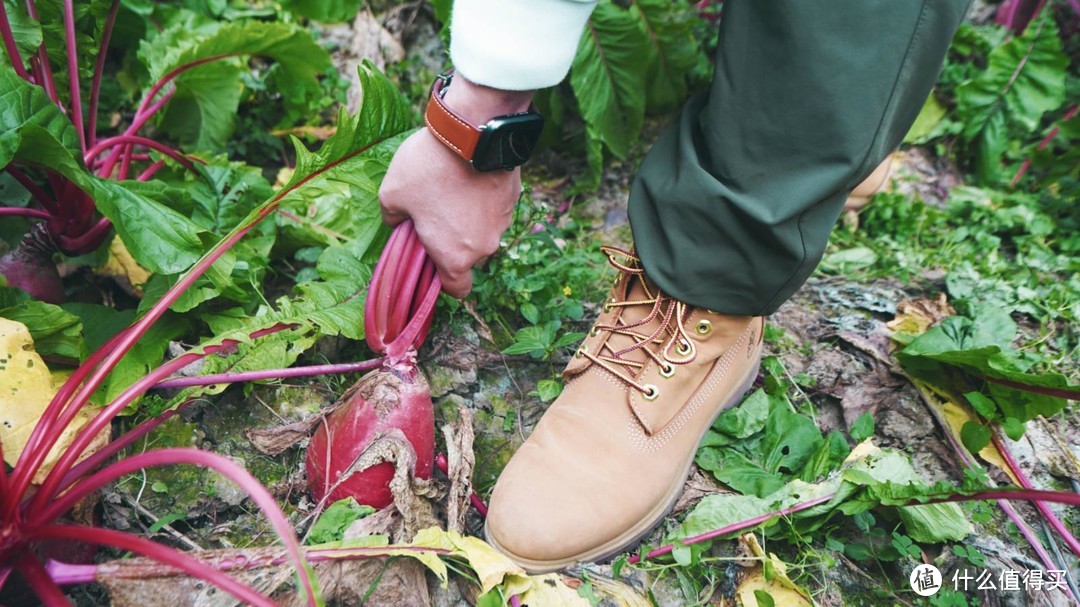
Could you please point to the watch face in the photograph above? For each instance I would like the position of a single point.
(507, 141)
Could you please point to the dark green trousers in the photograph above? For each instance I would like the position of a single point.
(732, 208)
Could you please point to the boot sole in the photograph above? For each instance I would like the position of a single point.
(637, 533)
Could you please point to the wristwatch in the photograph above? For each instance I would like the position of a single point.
(504, 142)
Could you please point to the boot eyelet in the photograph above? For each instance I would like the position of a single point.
(651, 392)
(607, 304)
(682, 348)
(667, 370)
(581, 351)
(703, 327)
(593, 332)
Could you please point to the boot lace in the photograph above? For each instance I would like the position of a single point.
(667, 345)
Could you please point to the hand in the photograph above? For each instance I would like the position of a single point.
(459, 213)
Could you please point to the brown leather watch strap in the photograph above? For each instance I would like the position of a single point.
(447, 125)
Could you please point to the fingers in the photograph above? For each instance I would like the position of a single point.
(455, 265)
(388, 193)
(457, 284)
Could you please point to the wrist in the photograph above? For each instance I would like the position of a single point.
(478, 104)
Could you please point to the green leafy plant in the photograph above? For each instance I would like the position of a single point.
(382, 116)
(634, 59)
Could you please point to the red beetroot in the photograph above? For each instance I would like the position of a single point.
(397, 316)
(30, 267)
(379, 402)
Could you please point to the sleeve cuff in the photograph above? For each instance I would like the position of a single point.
(516, 45)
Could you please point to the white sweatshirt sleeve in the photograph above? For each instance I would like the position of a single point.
(516, 45)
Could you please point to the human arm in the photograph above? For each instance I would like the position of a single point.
(512, 47)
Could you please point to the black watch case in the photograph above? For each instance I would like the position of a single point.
(507, 142)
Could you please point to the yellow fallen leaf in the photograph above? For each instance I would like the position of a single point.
(956, 413)
(493, 569)
(783, 591)
(549, 589)
(26, 386)
(123, 268)
(490, 565)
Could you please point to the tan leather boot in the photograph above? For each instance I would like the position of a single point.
(608, 460)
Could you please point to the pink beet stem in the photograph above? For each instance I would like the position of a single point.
(267, 374)
(73, 72)
(102, 420)
(149, 549)
(121, 140)
(9, 44)
(1051, 518)
(1063, 497)
(99, 69)
(161, 457)
(40, 196)
(35, 575)
(23, 212)
(76, 391)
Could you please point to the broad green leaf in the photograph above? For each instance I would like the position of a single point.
(931, 523)
(1013, 428)
(672, 51)
(159, 238)
(335, 520)
(608, 79)
(863, 427)
(927, 122)
(146, 355)
(384, 113)
(26, 31)
(34, 132)
(741, 421)
(1024, 78)
(548, 389)
(981, 348)
(99, 323)
(534, 340)
(760, 466)
(299, 57)
(25, 107)
(331, 306)
(335, 304)
(329, 11)
(828, 456)
(56, 332)
(975, 436)
(868, 477)
(201, 114)
(340, 206)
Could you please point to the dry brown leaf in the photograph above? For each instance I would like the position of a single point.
(461, 459)
(915, 316)
(411, 495)
(483, 330)
(391, 582)
(276, 439)
(371, 42)
(320, 133)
